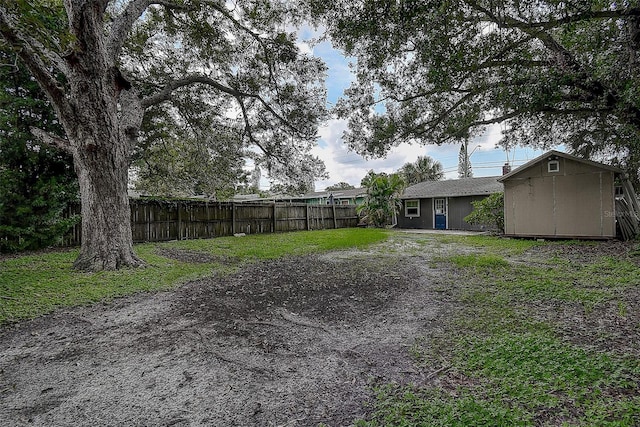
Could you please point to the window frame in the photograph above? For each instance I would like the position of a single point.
(416, 207)
(440, 206)
(555, 164)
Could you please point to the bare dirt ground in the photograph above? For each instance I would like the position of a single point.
(294, 342)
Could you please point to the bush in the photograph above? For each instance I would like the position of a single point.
(488, 212)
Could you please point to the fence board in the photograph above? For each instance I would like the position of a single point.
(158, 220)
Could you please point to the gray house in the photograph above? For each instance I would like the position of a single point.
(444, 204)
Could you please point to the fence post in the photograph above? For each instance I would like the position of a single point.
(179, 237)
(307, 215)
(274, 217)
(335, 221)
(147, 218)
(233, 218)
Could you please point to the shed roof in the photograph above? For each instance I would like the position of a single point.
(552, 153)
(454, 188)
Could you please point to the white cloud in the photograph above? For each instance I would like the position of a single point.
(344, 165)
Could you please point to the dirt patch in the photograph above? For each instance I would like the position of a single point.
(294, 342)
(588, 252)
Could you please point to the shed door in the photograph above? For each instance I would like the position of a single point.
(440, 213)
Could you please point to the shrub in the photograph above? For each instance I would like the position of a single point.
(488, 212)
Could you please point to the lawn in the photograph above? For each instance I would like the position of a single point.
(538, 334)
(529, 333)
(37, 284)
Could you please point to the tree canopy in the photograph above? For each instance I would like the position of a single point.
(340, 186)
(108, 65)
(37, 182)
(190, 158)
(237, 83)
(440, 71)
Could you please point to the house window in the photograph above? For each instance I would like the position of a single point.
(553, 166)
(344, 202)
(412, 208)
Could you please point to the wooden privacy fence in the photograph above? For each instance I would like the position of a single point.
(159, 220)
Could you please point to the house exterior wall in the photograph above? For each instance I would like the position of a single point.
(457, 209)
(424, 221)
(577, 201)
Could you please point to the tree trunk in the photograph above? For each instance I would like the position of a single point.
(107, 242)
(102, 133)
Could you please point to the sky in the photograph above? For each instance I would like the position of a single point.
(346, 166)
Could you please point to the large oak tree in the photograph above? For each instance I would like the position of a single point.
(438, 71)
(104, 63)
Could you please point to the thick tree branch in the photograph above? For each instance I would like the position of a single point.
(19, 39)
(473, 90)
(585, 16)
(546, 110)
(509, 63)
(510, 22)
(165, 95)
(52, 140)
(124, 22)
(428, 128)
(42, 73)
(583, 79)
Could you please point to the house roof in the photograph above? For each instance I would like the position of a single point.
(557, 154)
(337, 194)
(454, 188)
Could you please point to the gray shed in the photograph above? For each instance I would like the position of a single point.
(560, 195)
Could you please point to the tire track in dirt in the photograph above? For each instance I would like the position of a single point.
(292, 342)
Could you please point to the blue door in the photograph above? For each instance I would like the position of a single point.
(440, 213)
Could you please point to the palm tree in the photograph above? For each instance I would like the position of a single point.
(423, 169)
(383, 197)
(464, 164)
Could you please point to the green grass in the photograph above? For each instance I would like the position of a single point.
(272, 246)
(491, 244)
(500, 360)
(38, 284)
(479, 261)
(431, 407)
(515, 380)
